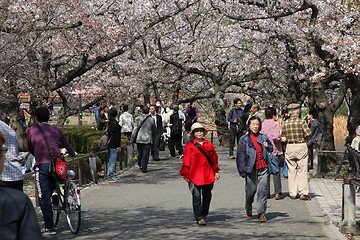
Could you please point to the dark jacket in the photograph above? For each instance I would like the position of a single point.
(237, 113)
(18, 219)
(176, 123)
(246, 153)
(114, 134)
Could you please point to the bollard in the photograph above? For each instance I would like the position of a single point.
(348, 204)
(129, 154)
(92, 166)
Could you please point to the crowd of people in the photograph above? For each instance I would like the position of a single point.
(291, 139)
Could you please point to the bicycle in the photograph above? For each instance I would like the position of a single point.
(69, 202)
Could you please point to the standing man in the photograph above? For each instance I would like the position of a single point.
(315, 141)
(159, 131)
(144, 135)
(237, 119)
(296, 131)
(12, 175)
(176, 124)
(126, 122)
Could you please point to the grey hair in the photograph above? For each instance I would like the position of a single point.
(357, 130)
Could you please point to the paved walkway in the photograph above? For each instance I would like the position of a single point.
(157, 205)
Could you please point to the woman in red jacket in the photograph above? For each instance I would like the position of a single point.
(200, 169)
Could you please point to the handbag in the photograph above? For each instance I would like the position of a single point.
(104, 141)
(285, 170)
(58, 166)
(272, 163)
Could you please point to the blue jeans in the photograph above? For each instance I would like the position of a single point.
(45, 184)
(201, 208)
(111, 163)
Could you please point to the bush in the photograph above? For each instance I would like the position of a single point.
(85, 139)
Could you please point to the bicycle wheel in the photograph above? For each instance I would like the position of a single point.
(73, 207)
(56, 215)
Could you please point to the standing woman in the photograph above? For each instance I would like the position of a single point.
(252, 166)
(114, 136)
(200, 169)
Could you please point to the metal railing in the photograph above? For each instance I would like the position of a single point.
(125, 159)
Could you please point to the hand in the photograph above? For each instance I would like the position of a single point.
(186, 179)
(118, 149)
(283, 139)
(217, 176)
(265, 144)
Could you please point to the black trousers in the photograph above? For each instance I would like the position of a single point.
(175, 140)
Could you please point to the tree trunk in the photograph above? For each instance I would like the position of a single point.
(354, 116)
(10, 109)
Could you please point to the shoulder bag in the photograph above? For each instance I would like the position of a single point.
(58, 166)
(272, 163)
(138, 129)
(204, 153)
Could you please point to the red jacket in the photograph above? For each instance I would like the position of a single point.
(195, 167)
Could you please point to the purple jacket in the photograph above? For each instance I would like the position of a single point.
(271, 129)
(55, 138)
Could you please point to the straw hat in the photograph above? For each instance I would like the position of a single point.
(197, 126)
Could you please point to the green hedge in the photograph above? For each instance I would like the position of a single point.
(85, 139)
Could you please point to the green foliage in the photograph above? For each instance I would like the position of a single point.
(341, 111)
(85, 139)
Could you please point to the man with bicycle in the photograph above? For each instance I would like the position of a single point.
(45, 182)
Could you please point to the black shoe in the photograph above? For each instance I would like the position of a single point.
(144, 171)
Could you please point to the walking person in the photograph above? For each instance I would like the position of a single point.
(176, 125)
(18, 218)
(158, 133)
(271, 128)
(237, 120)
(143, 135)
(114, 136)
(200, 169)
(296, 131)
(11, 175)
(192, 115)
(252, 166)
(45, 182)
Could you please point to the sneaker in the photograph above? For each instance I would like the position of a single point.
(232, 157)
(113, 178)
(55, 198)
(201, 222)
(48, 231)
(262, 218)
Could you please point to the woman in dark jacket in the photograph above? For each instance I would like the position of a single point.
(253, 166)
(114, 136)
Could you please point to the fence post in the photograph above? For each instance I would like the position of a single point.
(92, 166)
(80, 173)
(129, 153)
(349, 209)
